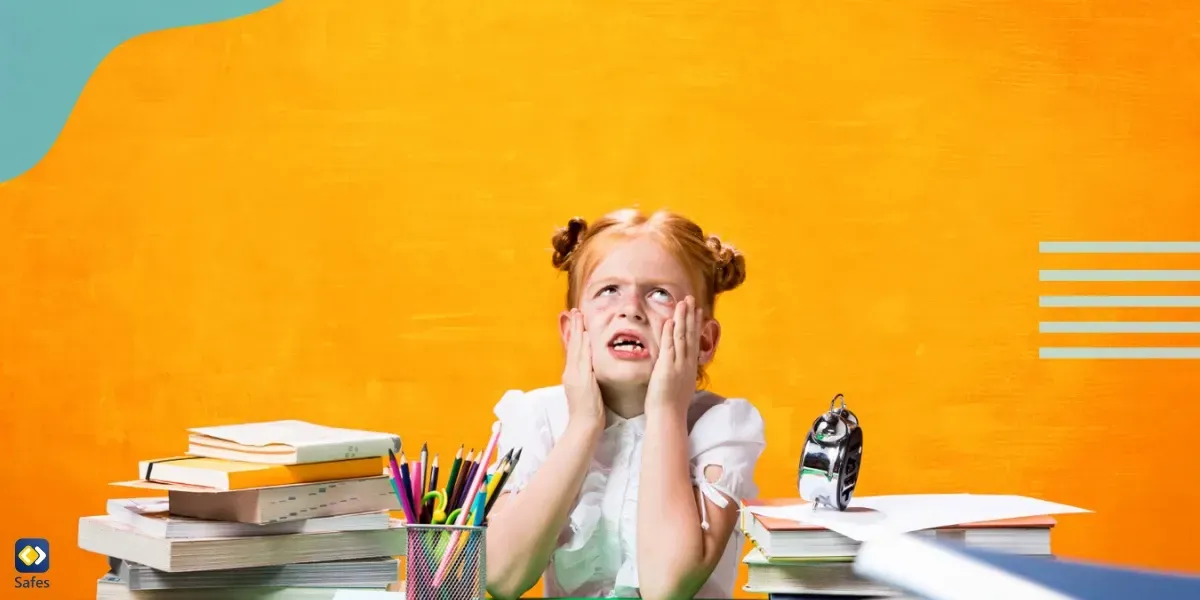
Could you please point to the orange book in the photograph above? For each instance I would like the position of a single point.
(783, 539)
(222, 474)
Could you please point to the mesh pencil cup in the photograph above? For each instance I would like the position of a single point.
(446, 562)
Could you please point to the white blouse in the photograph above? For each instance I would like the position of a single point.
(597, 550)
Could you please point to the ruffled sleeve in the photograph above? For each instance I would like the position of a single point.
(524, 424)
(729, 435)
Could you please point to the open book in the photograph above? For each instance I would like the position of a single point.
(288, 443)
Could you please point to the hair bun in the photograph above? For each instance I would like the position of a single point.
(730, 265)
(566, 240)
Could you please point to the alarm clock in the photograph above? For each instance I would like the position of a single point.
(832, 457)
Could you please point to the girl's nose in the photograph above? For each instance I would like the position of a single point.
(632, 311)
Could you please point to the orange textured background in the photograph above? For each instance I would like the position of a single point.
(340, 212)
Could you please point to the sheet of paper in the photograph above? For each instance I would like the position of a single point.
(889, 515)
(291, 433)
(143, 506)
(367, 595)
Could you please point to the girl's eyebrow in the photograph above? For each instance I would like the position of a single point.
(600, 284)
(607, 281)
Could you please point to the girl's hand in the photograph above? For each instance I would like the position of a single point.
(584, 403)
(673, 380)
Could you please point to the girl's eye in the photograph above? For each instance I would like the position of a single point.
(661, 295)
(607, 290)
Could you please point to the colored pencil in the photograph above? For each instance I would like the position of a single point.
(496, 486)
(471, 492)
(406, 479)
(458, 456)
(424, 469)
(427, 511)
(492, 480)
(512, 465)
(418, 473)
(509, 468)
(398, 486)
(474, 519)
(464, 499)
(496, 467)
(461, 482)
(453, 485)
(477, 508)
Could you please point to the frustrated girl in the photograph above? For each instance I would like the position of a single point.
(630, 473)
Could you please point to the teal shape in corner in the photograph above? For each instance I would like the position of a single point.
(49, 49)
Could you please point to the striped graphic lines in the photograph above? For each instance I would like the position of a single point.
(1122, 301)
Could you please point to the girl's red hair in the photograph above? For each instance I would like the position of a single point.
(715, 267)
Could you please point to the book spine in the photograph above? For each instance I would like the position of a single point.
(346, 450)
(276, 475)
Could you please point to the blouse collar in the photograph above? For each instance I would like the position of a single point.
(613, 420)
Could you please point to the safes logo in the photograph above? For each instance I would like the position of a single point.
(32, 555)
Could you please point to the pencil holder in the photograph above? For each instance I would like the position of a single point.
(446, 562)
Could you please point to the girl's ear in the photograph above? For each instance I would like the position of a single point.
(710, 334)
(564, 327)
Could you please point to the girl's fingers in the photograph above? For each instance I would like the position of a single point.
(666, 346)
(578, 341)
(694, 336)
(681, 328)
(572, 339)
(585, 353)
(583, 362)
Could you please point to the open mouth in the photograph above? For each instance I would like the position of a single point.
(627, 341)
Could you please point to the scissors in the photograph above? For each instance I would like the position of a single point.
(439, 506)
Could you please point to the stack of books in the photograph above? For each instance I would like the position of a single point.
(282, 510)
(794, 558)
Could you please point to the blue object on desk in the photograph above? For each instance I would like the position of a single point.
(953, 571)
(1091, 581)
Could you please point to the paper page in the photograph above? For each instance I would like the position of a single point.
(165, 487)
(142, 506)
(367, 595)
(889, 515)
(291, 433)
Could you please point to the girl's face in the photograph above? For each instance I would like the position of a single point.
(625, 301)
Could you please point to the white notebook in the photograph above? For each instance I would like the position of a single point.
(288, 442)
(152, 516)
(111, 587)
(109, 537)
